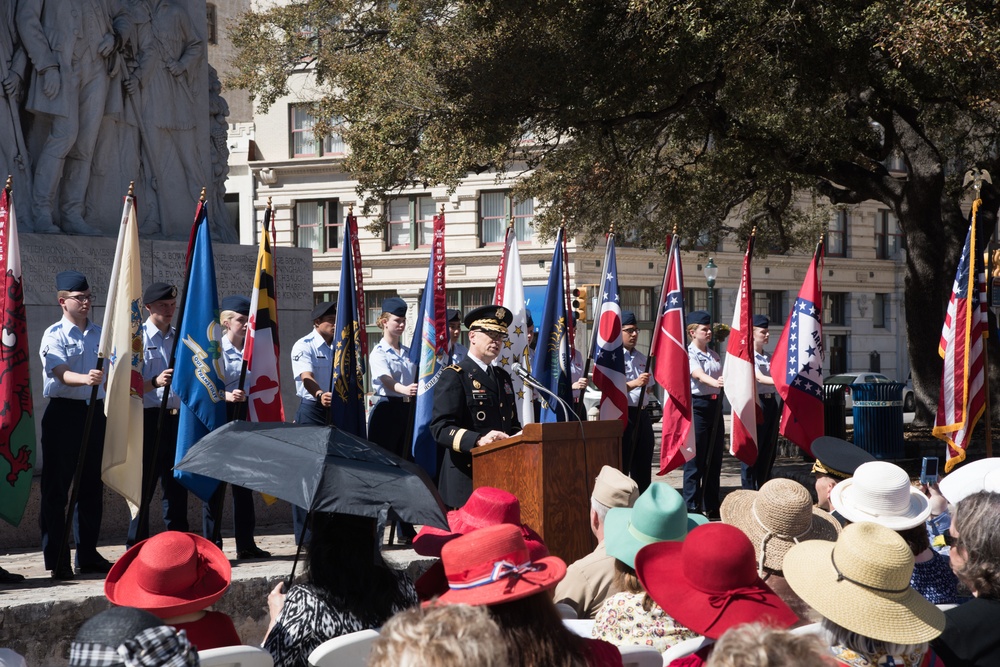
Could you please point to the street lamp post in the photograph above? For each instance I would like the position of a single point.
(711, 273)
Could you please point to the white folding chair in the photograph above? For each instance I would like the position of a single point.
(235, 656)
(640, 656)
(811, 629)
(580, 626)
(345, 651)
(686, 647)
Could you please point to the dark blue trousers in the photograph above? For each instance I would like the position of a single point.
(641, 467)
(702, 473)
(753, 477)
(62, 436)
(175, 496)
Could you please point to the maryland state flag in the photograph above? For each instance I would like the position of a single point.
(261, 351)
(198, 371)
(17, 422)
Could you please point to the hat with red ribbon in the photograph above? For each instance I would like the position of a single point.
(492, 566)
(708, 583)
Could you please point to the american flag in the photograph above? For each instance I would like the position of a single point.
(609, 352)
(963, 399)
(672, 369)
(797, 366)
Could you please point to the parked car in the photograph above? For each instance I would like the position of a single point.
(848, 379)
(592, 398)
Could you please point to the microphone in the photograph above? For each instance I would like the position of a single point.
(523, 373)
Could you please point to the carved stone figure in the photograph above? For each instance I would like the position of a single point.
(218, 108)
(14, 158)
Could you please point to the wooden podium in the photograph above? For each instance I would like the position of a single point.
(551, 469)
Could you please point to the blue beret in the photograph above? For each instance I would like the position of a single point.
(237, 304)
(628, 318)
(699, 317)
(454, 315)
(71, 281)
(394, 306)
(527, 318)
(761, 321)
(159, 292)
(323, 309)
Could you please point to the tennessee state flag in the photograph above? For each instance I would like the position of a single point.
(739, 377)
(121, 345)
(261, 351)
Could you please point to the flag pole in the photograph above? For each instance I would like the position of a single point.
(977, 185)
(580, 408)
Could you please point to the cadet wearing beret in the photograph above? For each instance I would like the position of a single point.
(233, 314)
(753, 477)
(312, 367)
(69, 359)
(702, 473)
(158, 339)
(393, 384)
(640, 428)
(458, 351)
(473, 403)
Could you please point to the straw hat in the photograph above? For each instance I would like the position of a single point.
(881, 492)
(776, 517)
(861, 582)
(981, 475)
(487, 506)
(170, 574)
(659, 515)
(492, 566)
(708, 582)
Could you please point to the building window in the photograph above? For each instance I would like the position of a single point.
(317, 224)
(211, 22)
(837, 348)
(835, 309)
(411, 221)
(836, 236)
(302, 139)
(640, 301)
(697, 299)
(889, 239)
(880, 311)
(772, 304)
(497, 209)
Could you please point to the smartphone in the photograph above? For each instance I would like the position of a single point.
(929, 470)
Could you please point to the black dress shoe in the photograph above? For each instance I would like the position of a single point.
(100, 566)
(63, 573)
(10, 577)
(252, 552)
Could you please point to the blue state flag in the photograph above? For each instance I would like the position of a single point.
(198, 369)
(348, 408)
(429, 364)
(551, 365)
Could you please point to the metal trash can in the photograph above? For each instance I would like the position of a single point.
(834, 411)
(878, 418)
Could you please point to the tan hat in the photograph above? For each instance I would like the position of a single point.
(613, 488)
(861, 582)
(778, 516)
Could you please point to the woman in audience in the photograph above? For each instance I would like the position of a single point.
(861, 586)
(758, 645)
(453, 635)
(177, 577)
(881, 492)
(127, 637)
(631, 617)
(970, 636)
(348, 588)
(491, 567)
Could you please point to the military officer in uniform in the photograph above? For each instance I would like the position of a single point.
(473, 402)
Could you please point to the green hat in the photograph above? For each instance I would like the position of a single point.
(659, 515)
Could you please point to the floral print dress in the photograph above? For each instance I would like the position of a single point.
(623, 622)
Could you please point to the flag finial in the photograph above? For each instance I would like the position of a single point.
(10, 183)
(976, 177)
(611, 229)
(131, 189)
(268, 202)
(674, 232)
(202, 197)
(753, 231)
(350, 210)
(442, 208)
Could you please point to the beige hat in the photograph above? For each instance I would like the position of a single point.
(612, 488)
(861, 582)
(778, 516)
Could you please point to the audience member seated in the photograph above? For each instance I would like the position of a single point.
(758, 645)
(177, 577)
(127, 637)
(348, 588)
(861, 586)
(775, 518)
(836, 460)
(589, 580)
(491, 567)
(631, 617)
(709, 583)
(454, 635)
(970, 635)
(881, 492)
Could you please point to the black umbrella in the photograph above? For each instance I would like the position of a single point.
(320, 468)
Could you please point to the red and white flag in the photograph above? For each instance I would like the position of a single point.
(740, 381)
(797, 365)
(671, 367)
(963, 398)
(261, 350)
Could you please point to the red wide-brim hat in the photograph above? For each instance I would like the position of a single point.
(170, 574)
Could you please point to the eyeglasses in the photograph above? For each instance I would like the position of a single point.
(494, 335)
(81, 298)
(630, 332)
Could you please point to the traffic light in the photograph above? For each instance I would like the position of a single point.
(580, 303)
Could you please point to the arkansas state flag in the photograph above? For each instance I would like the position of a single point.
(740, 381)
(121, 345)
(261, 351)
(797, 365)
(609, 352)
(17, 421)
(671, 367)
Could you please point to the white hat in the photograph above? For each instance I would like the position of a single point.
(881, 492)
(981, 475)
